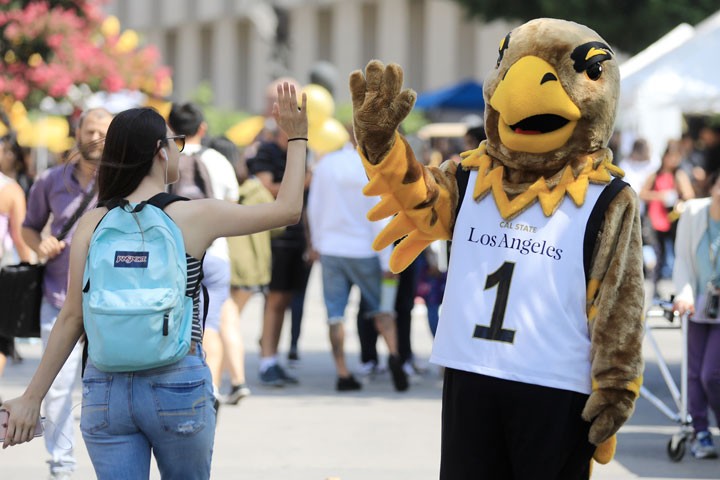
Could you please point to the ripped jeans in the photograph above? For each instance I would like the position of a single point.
(166, 410)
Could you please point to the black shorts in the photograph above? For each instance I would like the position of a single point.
(501, 429)
(290, 271)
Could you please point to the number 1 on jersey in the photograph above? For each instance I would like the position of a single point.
(500, 277)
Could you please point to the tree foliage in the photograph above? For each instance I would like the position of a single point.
(48, 47)
(629, 25)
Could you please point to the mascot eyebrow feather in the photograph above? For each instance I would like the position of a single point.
(588, 54)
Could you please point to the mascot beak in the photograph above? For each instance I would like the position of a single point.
(536, 115)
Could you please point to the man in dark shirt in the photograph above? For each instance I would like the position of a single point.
(289, 267)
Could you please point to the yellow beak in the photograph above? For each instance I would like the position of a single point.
(536, 115)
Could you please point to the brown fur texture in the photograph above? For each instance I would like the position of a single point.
(616, 329)
(378, 107)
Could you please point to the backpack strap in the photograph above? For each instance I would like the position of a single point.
(162, 200)
(596, 220)
(462, 177)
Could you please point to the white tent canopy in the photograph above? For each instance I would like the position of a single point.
(680, 73)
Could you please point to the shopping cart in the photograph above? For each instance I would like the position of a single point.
(664, 309)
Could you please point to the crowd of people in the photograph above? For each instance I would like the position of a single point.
(39, 220)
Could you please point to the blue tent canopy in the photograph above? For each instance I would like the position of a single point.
(466, 95)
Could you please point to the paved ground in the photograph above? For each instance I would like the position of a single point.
(312, 433)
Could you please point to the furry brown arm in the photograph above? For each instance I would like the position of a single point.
(423, 200)
(615, 312)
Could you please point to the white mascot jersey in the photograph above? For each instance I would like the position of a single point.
(514, 305)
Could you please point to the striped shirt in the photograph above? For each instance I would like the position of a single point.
(194, 276)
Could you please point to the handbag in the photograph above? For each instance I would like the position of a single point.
(21, 289)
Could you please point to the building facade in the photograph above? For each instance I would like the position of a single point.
(239, 46)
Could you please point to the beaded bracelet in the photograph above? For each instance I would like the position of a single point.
(297, 138)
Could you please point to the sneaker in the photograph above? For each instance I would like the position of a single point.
(293, 358)
(347, 384)
(411, 372)
(273, 376)
(287, 379)
(399, 377)
(237, 393)
(702, 446)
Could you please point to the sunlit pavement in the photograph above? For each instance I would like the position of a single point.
(310, 432)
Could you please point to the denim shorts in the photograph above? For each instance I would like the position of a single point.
(166, 410)
(339, 274)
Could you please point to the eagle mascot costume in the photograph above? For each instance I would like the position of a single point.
(542, 321)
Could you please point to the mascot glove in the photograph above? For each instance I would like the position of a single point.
(379, 106)
(607, 409)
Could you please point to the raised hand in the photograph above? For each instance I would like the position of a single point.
(379, 106)
(289, 117)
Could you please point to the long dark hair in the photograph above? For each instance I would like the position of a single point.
(130, 145)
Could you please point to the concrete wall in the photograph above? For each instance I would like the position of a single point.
(226, 42)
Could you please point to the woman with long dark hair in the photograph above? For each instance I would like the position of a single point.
(664, 192)
(147, 411)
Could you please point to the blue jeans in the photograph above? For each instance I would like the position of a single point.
(166, 410)
(339, 274)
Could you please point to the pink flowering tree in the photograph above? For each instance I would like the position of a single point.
(47, 46)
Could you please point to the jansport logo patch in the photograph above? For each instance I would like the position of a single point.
(131, 259)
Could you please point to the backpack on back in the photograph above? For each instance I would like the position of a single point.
(194, 178)
(135, 310)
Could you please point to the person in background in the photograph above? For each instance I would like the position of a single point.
(58, 193)
(710, 141)
(664, 193)
(12, 245)
(249, 272)
(289, 261)
(696, 278)
(12, 163)
(188, 119)
(343, 238)
(693, 164)
(638, 166)
(473, 137)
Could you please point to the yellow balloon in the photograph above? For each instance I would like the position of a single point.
(328, 137)
(163, 107)
(320, 104)
(49, 132)
(244, 132)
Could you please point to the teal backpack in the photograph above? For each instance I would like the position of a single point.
(135, 309)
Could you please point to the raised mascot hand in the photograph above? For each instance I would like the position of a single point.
(607, 409)
(379, 106)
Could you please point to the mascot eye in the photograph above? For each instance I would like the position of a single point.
(594, 71)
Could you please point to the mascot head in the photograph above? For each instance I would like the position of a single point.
(552, 97)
